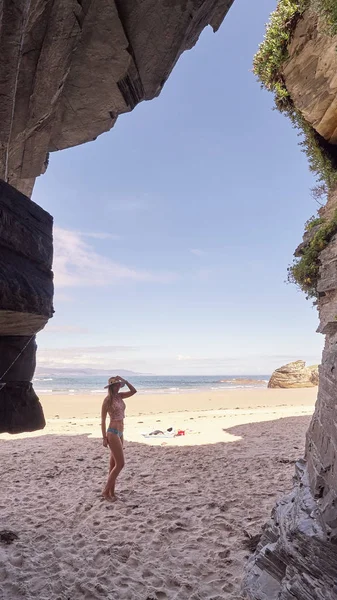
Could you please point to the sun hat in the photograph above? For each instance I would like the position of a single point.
(113, 380)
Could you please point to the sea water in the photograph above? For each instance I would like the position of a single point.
(146, 384)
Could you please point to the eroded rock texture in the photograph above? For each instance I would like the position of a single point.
(310, 75)
(26, 296)
(68, 68)
(294, 375)
(297, 555)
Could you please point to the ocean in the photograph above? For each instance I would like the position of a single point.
(88, 384)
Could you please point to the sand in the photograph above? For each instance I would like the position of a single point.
(186, 505)
(89, 405)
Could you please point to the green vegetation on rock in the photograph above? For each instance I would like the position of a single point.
(313, 222)
(273, 51)
(304, 271)
(327, 9)
(267, 66)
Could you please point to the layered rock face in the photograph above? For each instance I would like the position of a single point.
(26, 304)
(310, 75)
(294, 375)
(297, 555)
(68, 68)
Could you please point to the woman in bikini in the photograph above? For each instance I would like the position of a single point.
(114, 406)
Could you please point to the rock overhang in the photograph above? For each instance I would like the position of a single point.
(69, 68)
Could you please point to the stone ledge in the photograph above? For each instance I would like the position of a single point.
(295, 558)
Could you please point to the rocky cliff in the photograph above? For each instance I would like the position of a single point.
(68, 68)
(297, 555)
(294, 375)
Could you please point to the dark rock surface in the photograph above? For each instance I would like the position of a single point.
(26, 304)
(26, 252)
(68, 68)
(296, 558)
(20, 409)
(297, 554)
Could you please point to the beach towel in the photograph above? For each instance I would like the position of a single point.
(169, 433)
(160, 434)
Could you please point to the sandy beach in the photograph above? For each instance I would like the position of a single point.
(187, 505)
(88, 405)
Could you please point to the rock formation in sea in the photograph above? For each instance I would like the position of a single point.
(294, 375)
(68, 69)
(297, 555)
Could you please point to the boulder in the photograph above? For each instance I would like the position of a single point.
(294, 375)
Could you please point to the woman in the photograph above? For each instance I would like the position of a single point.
(114, 405)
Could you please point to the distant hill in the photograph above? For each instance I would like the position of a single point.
(75, 372)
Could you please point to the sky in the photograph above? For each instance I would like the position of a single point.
(173, 232)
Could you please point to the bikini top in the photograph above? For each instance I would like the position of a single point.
(117, 408)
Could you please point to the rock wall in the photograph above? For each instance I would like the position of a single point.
(68, 68)
(297, 555)
(310, 75)
(26, 304)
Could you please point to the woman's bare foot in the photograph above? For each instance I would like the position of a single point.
(109, 498)
(109, 495)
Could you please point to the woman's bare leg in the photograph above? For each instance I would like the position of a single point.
(112, 462)
(117, 455)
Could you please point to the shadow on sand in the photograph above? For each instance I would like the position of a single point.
(179, 530)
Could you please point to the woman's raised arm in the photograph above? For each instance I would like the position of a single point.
(132, 389)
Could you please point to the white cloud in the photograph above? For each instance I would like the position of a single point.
(76, 263)
(182, 357)
(99, 235)
(65, 329)
(85, 357)
(197, 252)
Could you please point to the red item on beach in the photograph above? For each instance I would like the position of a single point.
(181, 432)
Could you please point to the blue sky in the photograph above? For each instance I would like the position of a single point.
(173, 232)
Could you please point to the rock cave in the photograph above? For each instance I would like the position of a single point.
(68, 69)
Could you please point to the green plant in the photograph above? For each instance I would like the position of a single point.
(327, 9)
(267, 66)
(304, 271)
(313, 222)
(273, 51)
(320, 193)
(321, 161)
